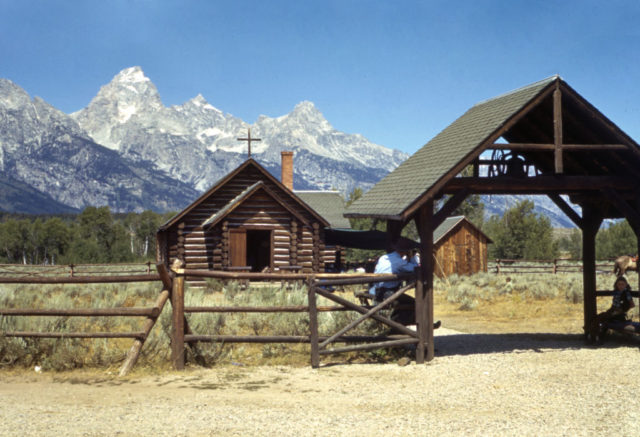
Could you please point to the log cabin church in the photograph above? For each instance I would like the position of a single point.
(250, 221)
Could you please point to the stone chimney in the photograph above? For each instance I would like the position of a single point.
(287, 169)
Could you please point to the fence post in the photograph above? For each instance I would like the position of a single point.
(313, 324)
(71, 270)
(555, 266)
(497, 266)
(177, 326)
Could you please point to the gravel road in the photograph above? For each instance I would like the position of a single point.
(478, 384)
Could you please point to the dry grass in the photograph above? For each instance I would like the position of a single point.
(483, 303)
(540, 303)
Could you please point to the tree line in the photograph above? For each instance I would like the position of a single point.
(93, 236)
(98, 236)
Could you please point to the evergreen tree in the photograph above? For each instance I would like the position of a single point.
(618, 239)
(521, 234)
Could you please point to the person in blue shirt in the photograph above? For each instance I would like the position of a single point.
(399, 260)
(396, 261)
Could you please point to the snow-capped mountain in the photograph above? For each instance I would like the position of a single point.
(197, 143)
(47, 150)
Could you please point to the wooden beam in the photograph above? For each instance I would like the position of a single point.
(557, 129)
(566, 208)
(134, 352)
(596, 115)
(551, 147)
(313, 324)
(448, 207)
(534, 185)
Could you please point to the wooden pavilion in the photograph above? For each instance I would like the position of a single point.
(543, 138)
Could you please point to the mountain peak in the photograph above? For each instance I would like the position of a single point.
(306, 107)
(131, 75)
(12, 95)
(306, 113)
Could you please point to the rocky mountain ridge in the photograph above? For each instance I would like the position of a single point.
(130, 152)
(197, 143)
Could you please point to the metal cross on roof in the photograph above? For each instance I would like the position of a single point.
(248, 140)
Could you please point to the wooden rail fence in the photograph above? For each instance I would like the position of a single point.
(316, 284)
(555, 266)
(71, 270)
(173, 290)
(151, 314)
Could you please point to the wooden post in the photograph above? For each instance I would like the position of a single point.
(313, 324)
(557, 129)
(177, 329)
(591, 224)
(424, 291)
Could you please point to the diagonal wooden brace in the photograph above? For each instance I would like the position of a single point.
(366, 315)
(362, 310)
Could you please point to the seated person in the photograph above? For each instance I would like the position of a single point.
(616, 316)
(397, 261)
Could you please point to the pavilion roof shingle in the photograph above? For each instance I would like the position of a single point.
(390, 197)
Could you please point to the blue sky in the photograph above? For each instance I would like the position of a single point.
(397, 72)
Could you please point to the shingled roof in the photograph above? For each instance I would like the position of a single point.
(401, 188)
(329, 204)
(449, 224)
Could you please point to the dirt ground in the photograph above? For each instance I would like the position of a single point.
(525, 384)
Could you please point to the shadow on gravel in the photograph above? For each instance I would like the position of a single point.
(470, 344)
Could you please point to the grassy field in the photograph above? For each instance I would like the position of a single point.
(482, 303)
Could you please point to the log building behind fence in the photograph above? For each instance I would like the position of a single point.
(460, 248)
(248, 221)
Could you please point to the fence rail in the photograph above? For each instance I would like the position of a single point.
(554, 266)
(72, 270)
